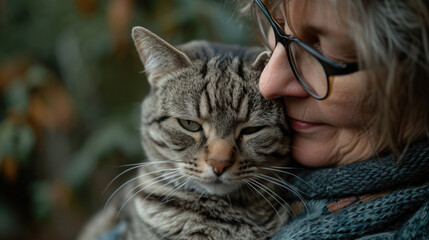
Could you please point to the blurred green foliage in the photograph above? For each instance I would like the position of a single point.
(69, 100)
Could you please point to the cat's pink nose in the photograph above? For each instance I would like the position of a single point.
(219, 165)
(220, 156)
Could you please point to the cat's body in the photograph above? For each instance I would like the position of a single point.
(216, 148)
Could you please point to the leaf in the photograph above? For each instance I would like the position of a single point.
(9, 220)
(9, 168)
(37, 76)
(11, 70)
(119, 15)
(41, 199)
(16, 96)
(51, 107)
(16, 141)
(86, 7)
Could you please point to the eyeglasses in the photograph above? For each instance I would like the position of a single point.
(313, 71)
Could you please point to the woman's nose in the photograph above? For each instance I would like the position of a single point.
(277, 78)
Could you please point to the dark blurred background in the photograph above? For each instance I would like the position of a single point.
(70, 87)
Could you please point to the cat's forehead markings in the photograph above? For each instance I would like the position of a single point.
(243, 111)
(208, 130)
(213, 136)
(204, 106)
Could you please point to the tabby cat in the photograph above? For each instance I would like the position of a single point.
(217, 150)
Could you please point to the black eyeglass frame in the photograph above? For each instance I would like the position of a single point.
(331, 68)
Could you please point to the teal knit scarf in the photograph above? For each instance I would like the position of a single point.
(373, 199)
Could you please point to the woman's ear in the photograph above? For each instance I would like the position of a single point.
(157, 55)
(261, 60)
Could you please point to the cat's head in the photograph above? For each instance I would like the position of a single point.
(204, 116)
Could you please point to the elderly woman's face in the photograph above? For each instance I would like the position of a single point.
(332, 131)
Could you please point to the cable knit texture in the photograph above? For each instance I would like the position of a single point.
(373, 199)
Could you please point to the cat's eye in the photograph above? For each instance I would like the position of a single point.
(250, 130)
(189, 125)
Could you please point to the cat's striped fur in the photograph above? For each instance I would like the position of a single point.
(216, 149)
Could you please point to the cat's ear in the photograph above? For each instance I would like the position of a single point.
(261, 60)
(157, 55)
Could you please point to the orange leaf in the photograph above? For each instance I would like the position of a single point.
(11, 70)
(119, 15)
(86, 7)
(51, 107)
(9, 167)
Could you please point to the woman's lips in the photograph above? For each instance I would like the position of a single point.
(301, 125)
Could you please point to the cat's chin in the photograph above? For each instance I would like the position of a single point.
(218, 188)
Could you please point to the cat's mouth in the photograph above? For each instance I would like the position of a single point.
(217, 186)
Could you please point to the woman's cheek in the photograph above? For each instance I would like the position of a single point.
(348, 104)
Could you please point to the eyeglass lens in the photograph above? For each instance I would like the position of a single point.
(307, 69)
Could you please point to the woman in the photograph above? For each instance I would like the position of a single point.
(354, 76)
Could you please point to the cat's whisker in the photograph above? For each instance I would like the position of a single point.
(201, 195)
(251, 189)
(137, 165)
(132, 164)
(279, 182)
(148, 163)
(284, 184)
(162, 186)
(286, 168)
(128, 165)
(133, 179)
(274, 195)
(294, 190)
(250, 184)
(122, 173)
(172, 174)
(241, 189)
(288, 173)
(229, 200)
(272, 180)
(176, 189)
(158, 179)
(261, 176)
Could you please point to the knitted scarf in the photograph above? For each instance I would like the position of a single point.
(373, 199)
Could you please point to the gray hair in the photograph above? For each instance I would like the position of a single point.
(394, 36)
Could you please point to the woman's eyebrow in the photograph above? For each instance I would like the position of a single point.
(305, 31)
